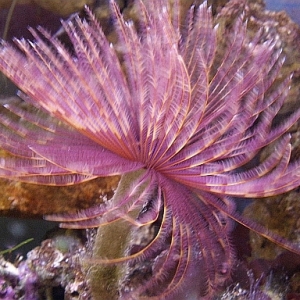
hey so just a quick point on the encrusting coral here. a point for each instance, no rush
(162, 107)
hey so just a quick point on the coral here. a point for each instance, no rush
(182, 119)
(56, 263)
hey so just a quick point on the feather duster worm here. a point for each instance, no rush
(156, 108)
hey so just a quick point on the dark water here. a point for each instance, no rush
(292, 7)
(15, 231)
